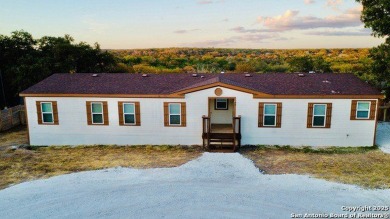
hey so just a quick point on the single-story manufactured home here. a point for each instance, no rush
(213, 110)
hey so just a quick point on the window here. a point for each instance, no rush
(221, 104)
(363, 109)
(97, 113)
(129, 113)
(47, 112)
(319, 115)
(270, 115)
(175, 114)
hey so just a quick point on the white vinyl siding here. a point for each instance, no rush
(74, 128)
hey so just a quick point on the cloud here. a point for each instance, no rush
(183, 31)
(291, 21)
(362, 32)
(308, 2)
(334, 4)
(254, 38)
(207, 2)
(241, 29)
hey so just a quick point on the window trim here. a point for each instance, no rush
(102, 113)
(169, 114)
(219, 100)
(368, 110)
(54, 112)
(326, 110)
(260, 117)
(51, 113)
(275, 114)
(124, 114)
(328, 115)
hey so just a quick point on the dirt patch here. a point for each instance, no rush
(14, 136)
(366, 167)
(41, 162)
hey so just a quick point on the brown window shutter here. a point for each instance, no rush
(39, 112)
(105, 113)
(372, 110)
(137, 114)
(279, 115)
(261, 115)
(183, 115)
(166, 114)
(310, 115)
(120, 113)
(55, 112)
(328, 115)
(353, 110)
(89, 112)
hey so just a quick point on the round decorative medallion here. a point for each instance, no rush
(218, 91)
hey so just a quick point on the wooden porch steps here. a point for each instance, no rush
(221, 137)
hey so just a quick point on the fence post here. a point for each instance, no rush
(1, 121)
(10, 112)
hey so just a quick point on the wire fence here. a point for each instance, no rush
(12, 117)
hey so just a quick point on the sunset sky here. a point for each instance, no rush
(126, 24)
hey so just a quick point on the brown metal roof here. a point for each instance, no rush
(164, 84)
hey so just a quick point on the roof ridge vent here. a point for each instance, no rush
(95, 75)
(145, 75)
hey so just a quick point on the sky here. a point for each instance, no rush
(133, 24)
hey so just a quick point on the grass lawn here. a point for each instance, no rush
(41, 162)
(366, 166)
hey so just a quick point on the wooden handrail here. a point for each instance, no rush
(206, 129)
(236, 129)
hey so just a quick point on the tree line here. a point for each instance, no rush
(24, 61)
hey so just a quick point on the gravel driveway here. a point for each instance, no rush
(383, 136)
(212, 186)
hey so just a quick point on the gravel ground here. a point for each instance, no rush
(216, 185)
(383, 136)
